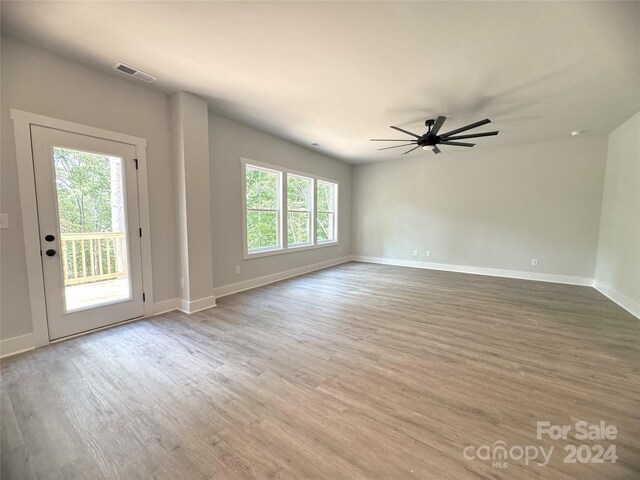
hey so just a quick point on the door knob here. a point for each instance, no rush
(51, 252)
(49, 238)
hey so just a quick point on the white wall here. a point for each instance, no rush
(488, 208)
(228, 141)
(618, 265)
(40, 82)
(189, 121)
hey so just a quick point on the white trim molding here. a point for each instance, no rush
(623, 301)
(30, 228)
(185, 306)
(16, 345)
(492, 272)
(164, 306)
(22, 122)
(276, 277)
(194, 306)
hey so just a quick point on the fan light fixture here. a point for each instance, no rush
(431, 139)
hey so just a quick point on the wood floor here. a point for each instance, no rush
(355, 372)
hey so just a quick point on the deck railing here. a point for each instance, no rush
(93, 257)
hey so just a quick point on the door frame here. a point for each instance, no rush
(22, 122)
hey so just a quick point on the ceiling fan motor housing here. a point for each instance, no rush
(425, 140)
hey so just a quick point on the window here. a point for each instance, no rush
(299, 195)
(327, 195)
(287, 211)
(263, 208)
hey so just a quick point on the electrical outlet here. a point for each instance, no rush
(182, 282)
(238, 270)
(534, 262)
(415, 253)
(339, 249)
(428, 254)
(4, 220)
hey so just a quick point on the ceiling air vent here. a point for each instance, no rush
(132, 72)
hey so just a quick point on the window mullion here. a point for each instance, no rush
(265, 210)
(284, 211)
(314, 225)
(335, 213)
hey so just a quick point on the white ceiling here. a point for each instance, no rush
(340, 73)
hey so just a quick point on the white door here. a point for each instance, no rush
(87, 194)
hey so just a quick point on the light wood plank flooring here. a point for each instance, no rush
(355, 372)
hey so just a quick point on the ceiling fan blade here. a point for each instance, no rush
(437, 126)
(404, 131)
(436, 149)
(397, 146)
(388, 140)
(409, 151)
(473, 135)
(468, 127)
(458, 144)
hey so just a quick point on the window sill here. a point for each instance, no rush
(280, 251)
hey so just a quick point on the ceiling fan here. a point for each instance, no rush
(431, 139)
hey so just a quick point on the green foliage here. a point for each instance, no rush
(298, 198)
(262, 194)
(84, 191)
(298, 193)
(262, 229)
(325, 226)
(326, 197)
(262, 190)
(83, 184)
(298, 227)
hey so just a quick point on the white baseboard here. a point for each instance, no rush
(276, 277)
(15, 345)
(164, 306)
(185, 306)
(625, 302)
(194, 306)
(493, 272)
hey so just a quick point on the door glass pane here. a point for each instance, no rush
(93, 243)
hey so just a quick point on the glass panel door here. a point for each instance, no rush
(87, 194)
(93, 228)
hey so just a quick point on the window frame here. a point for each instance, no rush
(334, 213)
(283, 231)
(311, 211)
(278, 209)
